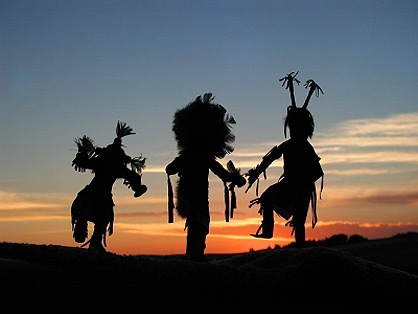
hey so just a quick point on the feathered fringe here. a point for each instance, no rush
(138, 164)
(85, 145)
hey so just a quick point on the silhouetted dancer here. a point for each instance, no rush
(94, 203)
(202, 130)
(295, 189)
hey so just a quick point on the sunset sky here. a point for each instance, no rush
(74, 68)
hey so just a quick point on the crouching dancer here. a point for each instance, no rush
(95, 203)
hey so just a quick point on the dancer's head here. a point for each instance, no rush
(204, 127)
(300, 123)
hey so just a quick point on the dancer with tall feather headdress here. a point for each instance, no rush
(95, 203)
(202, 130)
(295, 190)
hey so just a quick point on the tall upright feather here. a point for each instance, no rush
(122, 129)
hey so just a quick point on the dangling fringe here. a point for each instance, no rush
(322, 187)
(230, 201)
(170, 196)
(314, 199)
(226, 198)
(233, 200)
(313, 204)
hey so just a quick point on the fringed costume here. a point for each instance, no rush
(202, 130)
(95, 203)
(295, 190)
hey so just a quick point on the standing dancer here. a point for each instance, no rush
(202, 130)
(295, 189)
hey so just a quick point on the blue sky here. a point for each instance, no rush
(70, 68)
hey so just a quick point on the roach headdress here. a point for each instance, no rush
(205, 127)
(299, 119)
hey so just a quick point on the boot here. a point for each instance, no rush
(267, 225)
(266, 229)
(80, 231)
(97, 238)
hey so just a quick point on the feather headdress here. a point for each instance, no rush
(122, 129)
(205, 127)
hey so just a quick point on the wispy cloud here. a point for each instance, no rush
(25, 201)
(374, 197)
(393, 126)
(393, 139)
